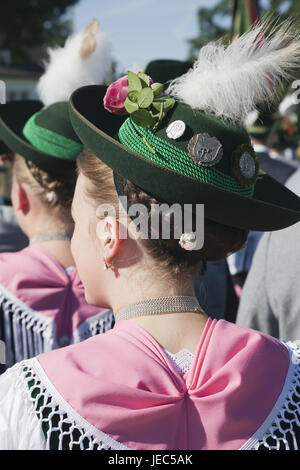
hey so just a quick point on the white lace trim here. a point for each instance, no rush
(182, 360)
(99, 323)
(62, 418)
(25, 332)
(285, 414)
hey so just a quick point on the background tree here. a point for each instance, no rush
(30, 24)
(216, 22)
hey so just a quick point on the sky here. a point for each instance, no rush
(143, 30)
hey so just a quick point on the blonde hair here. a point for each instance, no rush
(220, 240)
(55, 195)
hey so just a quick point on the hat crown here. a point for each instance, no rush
(55, 118)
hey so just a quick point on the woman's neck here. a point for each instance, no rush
(60, 250)
(174, 331)
(54, 237)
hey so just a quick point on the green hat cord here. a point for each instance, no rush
(166, 154)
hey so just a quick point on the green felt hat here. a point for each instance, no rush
(164, 70)
(211, 163)
(43, 136)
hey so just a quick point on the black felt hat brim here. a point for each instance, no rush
(272, 206)
(13, 117)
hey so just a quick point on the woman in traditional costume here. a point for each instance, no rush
(167, 376)
(42, 302)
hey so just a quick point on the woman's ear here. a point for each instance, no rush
(21, 200)
(110, 238)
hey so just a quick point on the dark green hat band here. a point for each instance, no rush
(50, 142)
(145, 143)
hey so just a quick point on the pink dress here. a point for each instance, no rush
(42, 305)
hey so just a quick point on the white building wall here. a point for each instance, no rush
(20, 89)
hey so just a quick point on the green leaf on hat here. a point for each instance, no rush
(146, 104)
(145, 97)
(134, 83)
(157, 104)
(132, 95)
(154, 114)
(161, 112)
(130, 106)
(142, 118)
(157, 88)
(144, 78)
(169, 103)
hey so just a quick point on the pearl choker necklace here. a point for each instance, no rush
(159, 306)
(51, 236)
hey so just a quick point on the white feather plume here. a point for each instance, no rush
(289, 101)
(84, 60)
(231, 81)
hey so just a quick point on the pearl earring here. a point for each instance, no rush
(106, 265)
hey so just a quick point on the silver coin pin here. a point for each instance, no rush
(205, 150)
(247, 165)
(175, 130)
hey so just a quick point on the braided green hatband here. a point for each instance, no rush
(50, 142)
(144, 142)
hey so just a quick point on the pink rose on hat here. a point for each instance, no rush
(116, 95)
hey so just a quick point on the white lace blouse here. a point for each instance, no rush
(20, 428)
